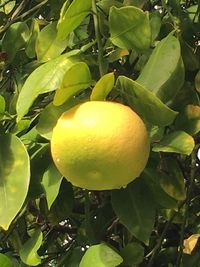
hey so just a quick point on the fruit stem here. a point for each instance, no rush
(98, 37)
(87, 215)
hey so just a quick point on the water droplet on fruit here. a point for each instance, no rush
(58, 160)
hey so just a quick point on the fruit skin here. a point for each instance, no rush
(100, 145)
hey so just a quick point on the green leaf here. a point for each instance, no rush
(189, 120)
(14, 177)
(49, 116)
(45, 78)
(177, 142)
(171, 179)
(150, 177)
(76, 79)
(63, 204)
(135, 209)
(2, 104)
(103, 87)
(5, 261)
(197, 81)
(71, 18)
(163, 74)
(145, 103)
(51, 182)
(19, 34)
(133, 254)
(155, 22)
(28, 252)
(130, 28)
(100, 255)
(30, 49)
(47, 44)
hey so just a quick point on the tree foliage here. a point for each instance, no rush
(55, 54)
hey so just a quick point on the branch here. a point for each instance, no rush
(21, 17)
(157, 248)
(187, 204)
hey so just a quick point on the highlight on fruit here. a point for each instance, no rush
(100, 145)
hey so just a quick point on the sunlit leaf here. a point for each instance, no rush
(163, 74)
(155, 22)
(30, 49)
(76, 79)
(177, 142)
(190, 243)
(145, 103)
(133, 31)
(72, 17)
(45, 78)
(28, 252)
(2, 104)
(14, 177)
(100, 255)
(135, 209)
(51, 182)
(47, 45)
(103, 87)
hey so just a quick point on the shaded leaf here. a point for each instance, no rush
(63, 204)
(177, 142)
(155, 22)
(145, 103)
(103, 87)
(100, 255)
(47, 44)
(76, 79)
(49, 116)
(189, 120)
(19, 34)
(151, 179)
(51, 182)
(28, 252)
(14, 177)
(5, 261)
(133, 31)
(197, 81)
(135, 209)
(171, 179)
(45, 78)
(72, 16)
(133, 254)
(163, 74)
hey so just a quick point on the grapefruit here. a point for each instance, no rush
(100, 145)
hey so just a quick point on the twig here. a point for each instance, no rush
(98, 37)
(21, 17)
(87, 214)
(187, 204)
(157, 248)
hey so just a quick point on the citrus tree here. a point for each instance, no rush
(57, 54)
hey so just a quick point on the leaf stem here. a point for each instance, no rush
(98, 38)
(187, 204)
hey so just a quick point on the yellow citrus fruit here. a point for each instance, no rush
(100, 145)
